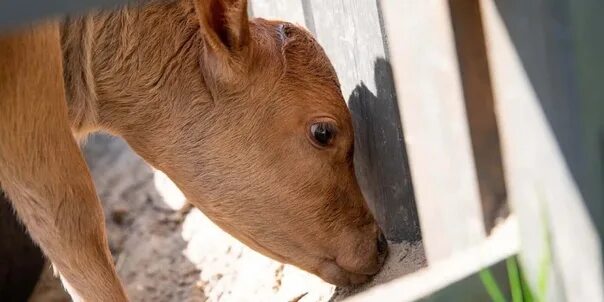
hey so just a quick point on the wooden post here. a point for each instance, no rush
(535, 97)
(436, 128)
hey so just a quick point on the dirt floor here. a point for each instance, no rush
(165, 251)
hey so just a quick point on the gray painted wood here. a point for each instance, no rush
(535, 88)
(351, 34)
(436, 128)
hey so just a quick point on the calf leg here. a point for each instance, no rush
(42, 170)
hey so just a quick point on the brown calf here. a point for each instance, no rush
(246, 117)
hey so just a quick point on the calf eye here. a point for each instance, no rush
(322, 133)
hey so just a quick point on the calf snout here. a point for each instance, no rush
(372, 261)
(360, 256)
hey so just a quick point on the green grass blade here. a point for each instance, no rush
(526, 289)
(491, 286)
(546, 258)
(542, 279)
(514, 278)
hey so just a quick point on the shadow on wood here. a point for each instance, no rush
(380, 156)
(478, 94)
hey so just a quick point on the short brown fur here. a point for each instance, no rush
(221, 104)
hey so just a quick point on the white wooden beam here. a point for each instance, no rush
(502, 243)
(434, 121)
(541, 190)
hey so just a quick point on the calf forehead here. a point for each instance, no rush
(306, 59)
(306, 84)
(319, 98)
(291, 56)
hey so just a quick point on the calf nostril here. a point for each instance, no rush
(382, 244)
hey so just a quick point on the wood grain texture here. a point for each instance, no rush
(436, 128)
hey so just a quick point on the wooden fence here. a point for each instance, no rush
(460, 108)
(498, 103)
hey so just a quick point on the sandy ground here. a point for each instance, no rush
(165, 251)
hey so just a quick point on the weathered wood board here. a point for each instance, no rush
(503, 243)
(436, 128)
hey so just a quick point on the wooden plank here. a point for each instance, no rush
(291, 11)
(436, 129)
(503, 243)
(352, 36)
(472, 288)
(478, 92)
(536, 108)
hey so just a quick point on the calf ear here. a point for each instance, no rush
(224, 25)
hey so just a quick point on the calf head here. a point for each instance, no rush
(268, 152)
